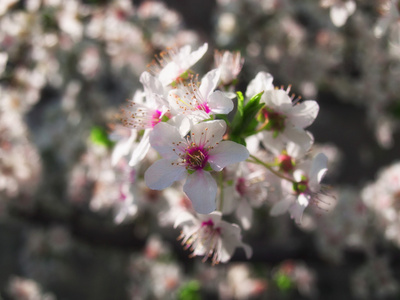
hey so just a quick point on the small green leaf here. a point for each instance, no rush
(237, 120)
(99, 136)
(283, 282)
(190, 291)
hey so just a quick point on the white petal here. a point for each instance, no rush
(196, 55)
(209, 83)
(300, 137)
(318, 170)
(141, 149)
(184, 217)
(151, 84)
(262, 82)
(274, 144)
(339, 14)
(231, 239)
(281, 207)
(169, 73)
(304, 114)
(208, 133)
(227, 153)
(230, 202)
(163, 173)
(278, 100)
(182, 122)
(296, 210)
(244, 213)
(122, 148)
(201, 189)
(219, 103)
(162, 138)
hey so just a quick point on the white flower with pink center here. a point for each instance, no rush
(192, 156)
(144, 112)
(173, 63)
(246, 191)
(199, 101)
(209, 236)
(305, 189)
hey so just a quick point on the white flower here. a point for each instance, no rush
(247, 190)
(209, 236)
(176, 62)
(261, 83)
(340, 10)
(230, 64)
(285, 122)
(144, 114)
(304, 190)
(191, 157)
(199, 101)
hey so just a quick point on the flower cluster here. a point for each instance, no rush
(228, 160)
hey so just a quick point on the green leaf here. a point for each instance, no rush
(99, 136)
(237, 120)
(283, 282)
(190, 291)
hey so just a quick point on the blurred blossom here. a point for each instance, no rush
(230, 64)
(290, 274)
(374, 279)
(26, 289)
(382, 198)
(240, 284)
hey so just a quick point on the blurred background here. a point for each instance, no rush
(66, 67)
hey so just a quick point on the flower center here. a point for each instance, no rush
(196, 158)
(241, 186)
(286, 163)
(274, 121)
(155, 118)
(204, 106)
(301, 186)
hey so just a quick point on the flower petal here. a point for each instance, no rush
(162, 138)
(209, 83)
(151, 84)
(281, 207)
(262, 82)
(184, 217)
(227, 153)
(303, 139)
(318, 170)
(201, 189)
(278, 100)
(219, 103)
(208, 133)
(163, 173)
(304, 114)
(297, 208)
(141, 149)
(245, 214)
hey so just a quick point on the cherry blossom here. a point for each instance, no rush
(305, 188)
(210, 236)
(192, 157)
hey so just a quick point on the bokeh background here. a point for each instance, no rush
(66, 67)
